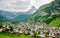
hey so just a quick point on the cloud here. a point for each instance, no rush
(21, 5)
(39, 3)
(15, 5)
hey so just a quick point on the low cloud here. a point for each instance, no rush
(15, 5)
(21, 5)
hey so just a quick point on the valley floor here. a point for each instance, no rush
(8, 35)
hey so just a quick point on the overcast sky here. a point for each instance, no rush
(21, 5)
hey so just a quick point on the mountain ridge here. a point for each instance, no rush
(20, 16)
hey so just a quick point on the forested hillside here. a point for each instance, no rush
(49, 14)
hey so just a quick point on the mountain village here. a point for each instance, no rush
(35, 30)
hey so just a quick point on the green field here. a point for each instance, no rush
(8, 35)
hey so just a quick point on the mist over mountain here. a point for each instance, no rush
(31, 11)
(20, 16)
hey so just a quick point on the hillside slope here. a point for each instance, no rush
(48, 14)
